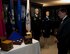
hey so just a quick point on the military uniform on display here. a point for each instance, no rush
(36, 26)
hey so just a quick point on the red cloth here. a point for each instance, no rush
(2, 24)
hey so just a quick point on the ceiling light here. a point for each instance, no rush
(64, 1)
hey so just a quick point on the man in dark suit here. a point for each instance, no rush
(63, 34)
(46, 28)
(46, 25)
(36, 24)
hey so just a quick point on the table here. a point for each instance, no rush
(24, 49)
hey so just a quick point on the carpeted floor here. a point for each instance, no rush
(51, 46)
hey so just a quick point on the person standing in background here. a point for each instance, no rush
(46, 27)
(63, 34)
(36, 24)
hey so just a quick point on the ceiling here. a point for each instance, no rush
(51, 2)
(42, 1)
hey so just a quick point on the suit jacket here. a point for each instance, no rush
(46, 23)
(63, 34)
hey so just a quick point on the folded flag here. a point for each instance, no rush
(16, 38)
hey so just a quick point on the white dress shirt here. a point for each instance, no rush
(63, 19)
(47, 17)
